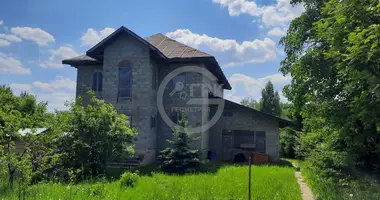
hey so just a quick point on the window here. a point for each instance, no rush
(260, 141)
(154, 78)
(249, 137)
(179, 78)
(243, 137)
(97, 81)
(125, 79)
(228, 113)
(152, 122)
(176, 117)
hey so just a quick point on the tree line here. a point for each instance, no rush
(333, 55)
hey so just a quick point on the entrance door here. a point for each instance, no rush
(227, 147)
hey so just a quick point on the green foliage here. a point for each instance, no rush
(324, 187)
(270, 100)
(96, 191)
(287, 111)
(19, 112)
(334, 59)
(180, 157)
(73, 175)
(249, 102)
(95, 135)
(129, 179)
(288, 142)
(229, 182)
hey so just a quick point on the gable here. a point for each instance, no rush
(98, 50)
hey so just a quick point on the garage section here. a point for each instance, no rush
(242, 132)
(238, 143)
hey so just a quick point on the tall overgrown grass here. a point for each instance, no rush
(362, 187)
(229, 182)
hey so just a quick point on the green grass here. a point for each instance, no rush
(229, 182)
(362, 188)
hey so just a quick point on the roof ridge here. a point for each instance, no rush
(187, 46)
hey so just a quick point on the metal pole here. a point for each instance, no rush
(249, 179)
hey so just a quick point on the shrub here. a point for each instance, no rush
(96, 134)
(96, 190)
(288, 140)
(129, 179)
(179, 157)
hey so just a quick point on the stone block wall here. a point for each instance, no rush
(195, 118)
(141, 106)
(246, 120)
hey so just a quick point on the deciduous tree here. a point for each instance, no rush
(332, 52)
(270, 100)
(95, 134)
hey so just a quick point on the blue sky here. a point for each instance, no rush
(243, 35)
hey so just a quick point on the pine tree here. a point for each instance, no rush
(180, 157)
(270, 100)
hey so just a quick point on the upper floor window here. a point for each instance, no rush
(179, 78)
(125, 79)
(97, 81)
(154, 78)
(176, 84)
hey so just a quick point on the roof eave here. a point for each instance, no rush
(282, 122)
(226, 84)
(74, 63)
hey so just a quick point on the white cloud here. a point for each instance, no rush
(55, 60)
(1, 22)
(55, 92)
(51, 64)
(37, 35)
(4, 43)
(229, 52)
(238, 7)
(19, 87)
(11, 38)
(253, 86)
(92, 37)
(60, 83)
(271, 15)
(63, 52)
(10, 65)
(277, 31)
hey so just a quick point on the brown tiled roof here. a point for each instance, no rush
(162, 46)
(174, 49)
(170, 48)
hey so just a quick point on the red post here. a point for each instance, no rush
(249, 179)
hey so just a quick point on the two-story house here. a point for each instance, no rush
(127, 71)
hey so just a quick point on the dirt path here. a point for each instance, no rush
(305, 190)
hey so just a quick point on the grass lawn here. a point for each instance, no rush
(361, 188)
(229, 182)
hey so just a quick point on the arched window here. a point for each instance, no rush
(97, 81)
(125, 79)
